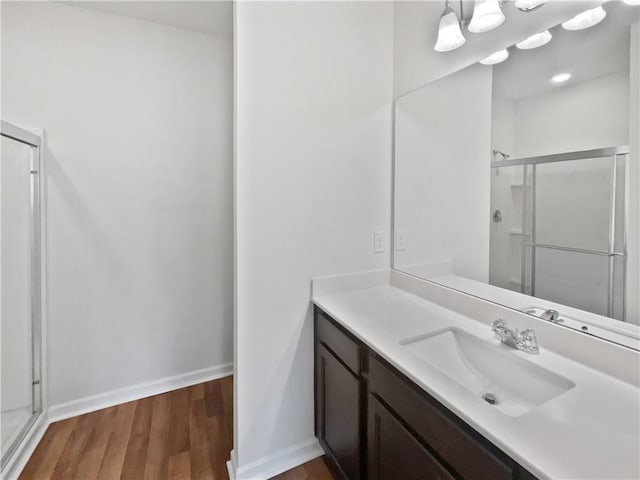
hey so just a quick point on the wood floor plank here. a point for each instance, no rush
(296, 473)
(226, 388)
(68, 462)
(179, 428)
(213, 399)
(317, 469)
(180, 466)
(219, 447)
(157, 461)
(113, 460)
(136, 456)
(89, 463)
(196, 391)
(201, 466)
(179, 435)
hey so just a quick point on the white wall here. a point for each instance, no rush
(139, 198)
(587, 115)
(313, 130)
(443, 142)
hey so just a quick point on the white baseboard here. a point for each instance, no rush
(273, 465)
(136, 392)
(14, 468)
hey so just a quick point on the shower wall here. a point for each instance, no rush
(139, 191)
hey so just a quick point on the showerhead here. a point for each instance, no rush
(505, 156)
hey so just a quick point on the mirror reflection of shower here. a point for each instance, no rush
(564, 227)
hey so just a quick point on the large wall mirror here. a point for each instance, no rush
(518, 182)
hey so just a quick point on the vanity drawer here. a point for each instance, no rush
(338, 341)
(463, 449)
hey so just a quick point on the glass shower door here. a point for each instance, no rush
(19, 287)
(577, 224)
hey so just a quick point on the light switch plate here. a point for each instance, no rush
(401, 240)
(378, 241)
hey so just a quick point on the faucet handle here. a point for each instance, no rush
(498, 325)
(528, 341)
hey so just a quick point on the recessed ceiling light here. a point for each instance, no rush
(535, 41)
(561, 77)
(585, 19)
(499, 56)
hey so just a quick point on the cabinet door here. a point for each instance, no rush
(338, 413)
(394, 453)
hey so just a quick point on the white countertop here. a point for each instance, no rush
(589, 432)
(616, 331)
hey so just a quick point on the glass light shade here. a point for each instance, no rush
(526, 5)
(487, 15)
(499, 56)
(535, 41)
(585, 19)
(449, 34)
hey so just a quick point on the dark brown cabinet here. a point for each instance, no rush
(338, 413)
(376, 424)
(394, 452)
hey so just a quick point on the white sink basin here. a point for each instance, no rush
(489, 371)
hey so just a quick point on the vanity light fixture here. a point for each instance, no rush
(535, 41)
(561, 77)
(487, 15)
(449, 32)
(585, 19)
(499, 56)
(529, 5)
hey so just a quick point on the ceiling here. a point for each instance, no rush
(587, 54)
(213, 17)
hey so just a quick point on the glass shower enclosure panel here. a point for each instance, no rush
(19, 290)
(576, 233)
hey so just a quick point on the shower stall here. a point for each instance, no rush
(559, 228)
(20, 287)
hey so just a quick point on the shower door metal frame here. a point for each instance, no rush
(35, 142)
(614, 153)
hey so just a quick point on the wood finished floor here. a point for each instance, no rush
(179, 435)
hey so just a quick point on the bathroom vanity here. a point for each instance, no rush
(408, 389)
(374, 422)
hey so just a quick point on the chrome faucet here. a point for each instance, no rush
(552, 316)
(524, 340)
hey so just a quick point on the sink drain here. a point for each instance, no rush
(490, 398)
